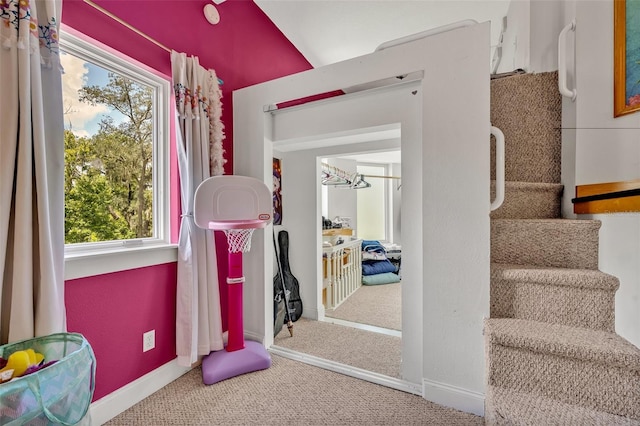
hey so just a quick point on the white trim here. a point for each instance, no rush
(347, 370)
(248, 335)
(427, 33)
(453, 396)
(360, 326)
(99, 262)
(313, 313)
(110, 406)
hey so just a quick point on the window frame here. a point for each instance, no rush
(95, 258)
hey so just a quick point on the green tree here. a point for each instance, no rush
(89, 215)
(124, 152)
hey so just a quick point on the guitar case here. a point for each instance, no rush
(291, 284)
(279, 311)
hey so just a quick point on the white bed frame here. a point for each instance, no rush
(343, 272)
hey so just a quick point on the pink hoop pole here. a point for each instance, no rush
(235, 278)
(234, 302)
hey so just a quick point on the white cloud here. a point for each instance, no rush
(77, 114)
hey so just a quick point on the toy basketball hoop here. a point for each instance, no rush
(238, 233)
(237, 205)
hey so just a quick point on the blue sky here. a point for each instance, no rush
(82, 118)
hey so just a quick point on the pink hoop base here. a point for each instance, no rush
(222, 365)
(238, 224)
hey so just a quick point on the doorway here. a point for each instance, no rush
(301, 150)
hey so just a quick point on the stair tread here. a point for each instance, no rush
(522, 408)
(533, 186)
(591, 223)
(566, 277)
(574, 342)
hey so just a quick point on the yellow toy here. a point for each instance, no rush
(19, 362)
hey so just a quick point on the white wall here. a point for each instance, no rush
(598, 148)
(443, 157)
(515, 43)
(607, 150)
(531, 36)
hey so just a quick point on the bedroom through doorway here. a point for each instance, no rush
(361, 238)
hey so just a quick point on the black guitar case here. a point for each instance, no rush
(290, 282)
(279, 311)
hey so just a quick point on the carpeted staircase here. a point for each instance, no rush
(552, 354)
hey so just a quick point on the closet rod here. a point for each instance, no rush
(131, 27)
(384, 177)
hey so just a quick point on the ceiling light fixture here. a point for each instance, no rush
(211, 13)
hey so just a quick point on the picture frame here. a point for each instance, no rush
(626, 50)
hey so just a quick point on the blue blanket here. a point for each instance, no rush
(372, 267)
(372, 245)
(386, 278)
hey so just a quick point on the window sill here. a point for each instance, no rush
(100, 262)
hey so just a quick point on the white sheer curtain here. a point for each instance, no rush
(31, 171)
(200, 155)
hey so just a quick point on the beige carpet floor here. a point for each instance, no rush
(378, 305)
(289, 392)
(370, 351)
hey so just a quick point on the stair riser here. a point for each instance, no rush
(593, 385)
(577, 307)
(532, 141)
(522, 204)
(542, 244)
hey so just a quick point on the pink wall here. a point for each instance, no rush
(113, 310)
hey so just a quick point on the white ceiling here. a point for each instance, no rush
(376, 157)
(330, 31)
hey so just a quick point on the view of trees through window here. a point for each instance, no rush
(108, 154)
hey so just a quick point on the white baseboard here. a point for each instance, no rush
(127, 396)
(454, 397)
(358, 373)
(249, 335)
(313, 313)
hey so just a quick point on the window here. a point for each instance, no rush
(116, 151)
(372, 204)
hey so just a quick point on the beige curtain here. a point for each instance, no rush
(200, 155)
(31, 171)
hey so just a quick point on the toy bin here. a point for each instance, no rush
(59, 394)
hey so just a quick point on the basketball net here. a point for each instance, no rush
(239, 240)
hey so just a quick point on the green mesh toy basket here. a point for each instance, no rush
(58, 394)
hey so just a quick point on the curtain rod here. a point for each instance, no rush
(131, 27)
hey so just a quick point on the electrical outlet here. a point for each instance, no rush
(148, 340)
